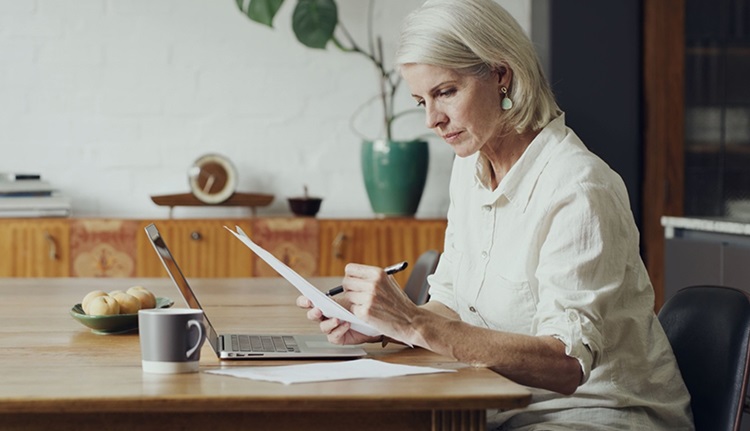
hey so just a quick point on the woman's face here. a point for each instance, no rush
(462, 109)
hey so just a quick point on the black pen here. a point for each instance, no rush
(388, 270)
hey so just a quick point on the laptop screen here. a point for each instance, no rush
(179, 280)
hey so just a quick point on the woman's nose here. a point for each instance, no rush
(434, 117)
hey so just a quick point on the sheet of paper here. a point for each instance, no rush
(327, 305)
(326, 371)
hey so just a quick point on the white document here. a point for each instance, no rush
(327, 371)
(327, 305)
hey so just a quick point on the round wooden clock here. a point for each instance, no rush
(212, 178)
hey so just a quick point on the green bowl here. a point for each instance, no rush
(114, 324)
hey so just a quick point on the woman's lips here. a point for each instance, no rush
(451, 137)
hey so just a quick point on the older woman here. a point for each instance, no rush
(541, 278)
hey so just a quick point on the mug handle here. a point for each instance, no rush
(198, 325)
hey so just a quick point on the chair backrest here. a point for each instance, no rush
(709, 330)
(417, 288)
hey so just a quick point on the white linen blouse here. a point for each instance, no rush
(554, 251)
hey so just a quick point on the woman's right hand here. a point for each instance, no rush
(337, 331)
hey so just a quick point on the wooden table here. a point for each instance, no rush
(56, 374)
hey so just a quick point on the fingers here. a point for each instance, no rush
(303, 302)
(365, 278)
(339, 333)
(356, 270)
(335, 330)
(329, 325)
(315, 314)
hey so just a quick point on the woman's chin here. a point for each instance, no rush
(463, 151)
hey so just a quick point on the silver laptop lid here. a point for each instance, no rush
(179, 280)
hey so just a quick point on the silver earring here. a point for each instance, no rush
(506, 103)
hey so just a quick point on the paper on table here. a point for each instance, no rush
(328, 306)
(326, 371)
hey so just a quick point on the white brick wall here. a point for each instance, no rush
(113, 100)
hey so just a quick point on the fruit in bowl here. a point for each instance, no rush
(129, 304)
(146, 298)
(103, 306)
(90, 297)
(117, 311)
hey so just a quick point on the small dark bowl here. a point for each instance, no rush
(307, 207)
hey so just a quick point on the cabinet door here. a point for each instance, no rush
(202, 249)
(103, 248)
(34, 248)
(293, 240)
(377, 242)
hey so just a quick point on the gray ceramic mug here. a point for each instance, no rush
(171, 339)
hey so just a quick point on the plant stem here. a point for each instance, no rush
(388, 86)
(384, 94)
(370, 31)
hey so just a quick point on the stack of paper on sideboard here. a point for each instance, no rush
(27, 195)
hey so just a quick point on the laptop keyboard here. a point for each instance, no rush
(264, 343)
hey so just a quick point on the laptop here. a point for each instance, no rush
(249, 346)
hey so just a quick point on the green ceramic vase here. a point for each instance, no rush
(395, 173)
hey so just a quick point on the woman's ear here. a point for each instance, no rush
(504, 75)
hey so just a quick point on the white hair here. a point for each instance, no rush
(478, 37)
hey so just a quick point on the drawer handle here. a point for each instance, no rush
(52, 253)
(339, 243)
(196, 236)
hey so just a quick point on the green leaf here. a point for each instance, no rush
(262, 11)
(314, 21)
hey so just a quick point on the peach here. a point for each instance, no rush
(104, 305)
(129, 304)
(147, 299)
(89, 296)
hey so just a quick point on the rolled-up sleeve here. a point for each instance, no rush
(580, 271)
(580, 337)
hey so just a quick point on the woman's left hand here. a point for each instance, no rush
(337, 331)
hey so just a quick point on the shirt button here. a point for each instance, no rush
(484, 255)
(572, 316)
(472, 309)
(487, 208)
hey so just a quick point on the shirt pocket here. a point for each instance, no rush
(506, 305)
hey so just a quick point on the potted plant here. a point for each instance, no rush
(394, 171)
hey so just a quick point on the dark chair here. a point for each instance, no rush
(417, 288)
(709, 330)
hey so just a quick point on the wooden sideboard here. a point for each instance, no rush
(78, 247)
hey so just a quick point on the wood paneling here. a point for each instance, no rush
(202, 248)
(102, 248)
(294, 241)
(377, 242)
(35, 248)
(663, 76)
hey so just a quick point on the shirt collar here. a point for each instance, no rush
(519, 182)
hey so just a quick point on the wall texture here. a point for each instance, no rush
(112, 101)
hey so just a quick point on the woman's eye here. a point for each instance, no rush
(420, 103)
(448, 92)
